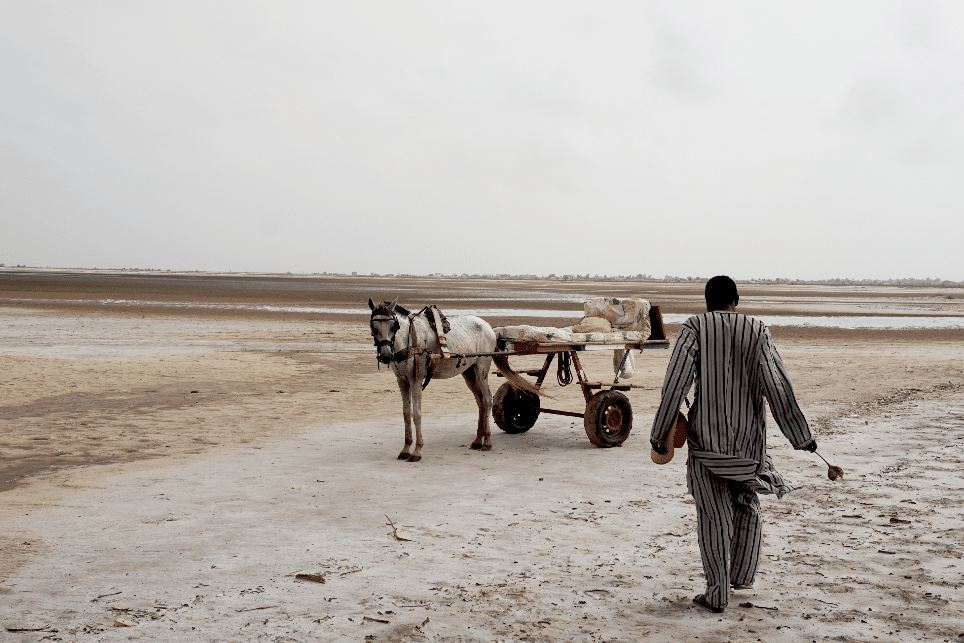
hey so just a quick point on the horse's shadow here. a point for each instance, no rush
(452, 434)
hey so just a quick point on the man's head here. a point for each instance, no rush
(720, 293)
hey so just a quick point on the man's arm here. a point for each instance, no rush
(783, 403)
(679, 378)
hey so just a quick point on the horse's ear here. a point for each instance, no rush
(391, 306)
(371, 304)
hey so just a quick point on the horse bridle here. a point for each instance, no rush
(411, 350)
(391, 338)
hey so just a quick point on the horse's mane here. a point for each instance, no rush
(384, 309)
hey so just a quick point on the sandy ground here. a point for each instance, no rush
(177, 470)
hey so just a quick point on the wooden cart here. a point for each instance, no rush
(608, 418)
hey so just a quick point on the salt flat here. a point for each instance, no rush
(177, 470)
(545, 538)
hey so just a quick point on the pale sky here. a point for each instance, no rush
(756, 139)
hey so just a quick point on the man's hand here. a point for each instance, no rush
(810, 446)
(658, 448)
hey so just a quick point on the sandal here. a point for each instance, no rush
(701, 601)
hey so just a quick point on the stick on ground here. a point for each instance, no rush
(395, 531)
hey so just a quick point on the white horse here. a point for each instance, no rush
(407, 343)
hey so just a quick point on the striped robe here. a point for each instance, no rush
(736, 365)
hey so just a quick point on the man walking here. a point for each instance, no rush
(735, 365)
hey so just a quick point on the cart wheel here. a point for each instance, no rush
(608, 418)
(514, 411)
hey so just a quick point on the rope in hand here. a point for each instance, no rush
(564, 370)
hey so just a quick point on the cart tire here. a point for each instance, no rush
(514, 411)
(608, 419)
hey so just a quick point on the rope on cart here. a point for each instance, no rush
(564, 370)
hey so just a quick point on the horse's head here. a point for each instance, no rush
(384, 325)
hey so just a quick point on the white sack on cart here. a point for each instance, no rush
(592, 325)
(541, 334)
(535, 334)
(630, 313)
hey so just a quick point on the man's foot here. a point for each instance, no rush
(701, 601)
(739, 586)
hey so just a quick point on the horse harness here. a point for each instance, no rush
(439, 324)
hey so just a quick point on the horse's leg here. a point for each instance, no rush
(405, 389)
(416, 387)
(477, 377)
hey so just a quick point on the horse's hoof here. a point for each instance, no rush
(404, 455)
(414, 458)
(486, 447)
(476, 446)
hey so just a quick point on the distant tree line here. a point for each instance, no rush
(645, 278)
(934, 282)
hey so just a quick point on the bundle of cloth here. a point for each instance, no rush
(606, 320)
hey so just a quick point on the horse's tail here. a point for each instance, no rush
(515, 379)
